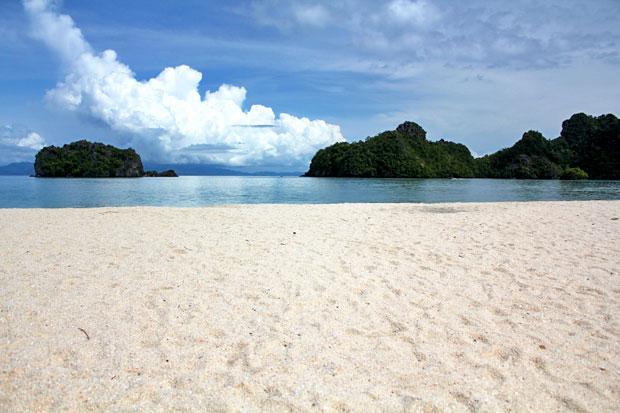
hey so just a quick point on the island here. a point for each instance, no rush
(166, 174)
(588, 147)
(84, 159)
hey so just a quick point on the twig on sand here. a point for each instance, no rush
(84, 331)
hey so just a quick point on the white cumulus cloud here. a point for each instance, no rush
(165, 115)
(17, 143)
(33, 141)
(21, 138)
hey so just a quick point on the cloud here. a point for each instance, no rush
(530, 65)
(314, 15)
(165, 116)
(518, 35)
(419, 12)
(33, 141)
(18, 144)
(286, 16)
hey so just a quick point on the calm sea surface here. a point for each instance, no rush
(187, 191)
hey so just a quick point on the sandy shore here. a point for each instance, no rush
(463, 307)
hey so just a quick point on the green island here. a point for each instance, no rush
(84, 159)
(587, 148)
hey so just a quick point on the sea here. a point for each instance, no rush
(193, 191)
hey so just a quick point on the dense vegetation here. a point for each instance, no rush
(590, 143)
(530, 158)
(88, 160)
(588, 147)
(404, 152)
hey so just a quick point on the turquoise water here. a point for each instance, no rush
(26, 192)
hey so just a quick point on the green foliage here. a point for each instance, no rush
(592, 144)
(404, 152)
(588, 146)
(574, 174)
(88, 160)
(529, 158)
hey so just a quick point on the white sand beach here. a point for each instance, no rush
(362, 307)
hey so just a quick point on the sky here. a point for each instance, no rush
(255, 84)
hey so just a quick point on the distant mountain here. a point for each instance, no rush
(588, 147)
(210, 170)
(27, 168)
(191, 169)
(18, 168)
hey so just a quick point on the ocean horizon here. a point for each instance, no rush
(195, 191)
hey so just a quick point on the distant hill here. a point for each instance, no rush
(27, 168)
(191, 169)
(587, 147)
(18, 168)
(210, 170)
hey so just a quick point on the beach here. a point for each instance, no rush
(361, 307)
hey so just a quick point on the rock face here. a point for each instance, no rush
(84, 159)
(412, 129)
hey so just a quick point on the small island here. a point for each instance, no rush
(587, 148)
(166, 174)
(84, 159)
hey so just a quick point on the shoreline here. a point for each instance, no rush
(312, 307)
(266, 204)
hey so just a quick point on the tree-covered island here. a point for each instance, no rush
(588, 147)
(84, 159)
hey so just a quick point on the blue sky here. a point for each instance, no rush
(298, 75)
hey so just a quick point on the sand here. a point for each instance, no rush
(363, 307)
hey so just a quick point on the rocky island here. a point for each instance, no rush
(588, 147)
(166, 174)
(404, 152)
(84, 159)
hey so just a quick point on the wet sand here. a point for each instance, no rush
(364, 307)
